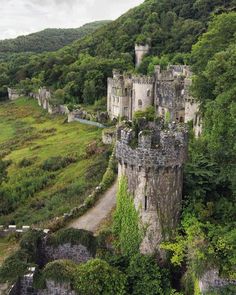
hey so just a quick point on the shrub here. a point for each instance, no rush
(14, 266)
(30, 243)
(146, 277)
(26, 162)
(59, 271)
(97, 277)
(57, 163)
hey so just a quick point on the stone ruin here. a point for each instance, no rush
(152, 160)
(13, 94)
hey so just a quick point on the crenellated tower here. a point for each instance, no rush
(152, 158)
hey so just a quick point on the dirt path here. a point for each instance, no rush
(93, 217)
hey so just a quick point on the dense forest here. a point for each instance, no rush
(81, 69)
(202, 34)
(47, 40)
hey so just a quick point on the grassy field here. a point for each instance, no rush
(52, 165)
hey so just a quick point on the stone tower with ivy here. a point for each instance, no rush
(151, 156)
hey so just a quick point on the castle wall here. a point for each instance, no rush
(163, 190)
(154, 169)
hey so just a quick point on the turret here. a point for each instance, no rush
(140, 51)
(152, 161)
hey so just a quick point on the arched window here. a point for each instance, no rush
(126, 92)
(145, 203)
(140, 103)
(148, 92)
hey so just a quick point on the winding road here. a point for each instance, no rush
(93, 217)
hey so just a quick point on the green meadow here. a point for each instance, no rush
(51, 165)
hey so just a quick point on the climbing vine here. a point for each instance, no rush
(126, 227)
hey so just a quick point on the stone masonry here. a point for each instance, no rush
(167, 91)
(77, 253)
(152, 161)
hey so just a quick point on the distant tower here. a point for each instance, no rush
(140, 51)
(154, 169)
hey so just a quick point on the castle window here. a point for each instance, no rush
(126, 92)
(148, 92)
(181, 120)
(140, 103)
(145, 203)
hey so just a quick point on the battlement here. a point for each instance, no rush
(139, 47)
(143, 80)
(172, 72)
(153, 147)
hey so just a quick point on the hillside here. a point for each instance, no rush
(81, 69)
(51, 166)
(48, 39)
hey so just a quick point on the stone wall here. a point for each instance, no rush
(13, 94)
(153, 165)
(76, 253)
(55, 288)
(109, 136)
(211, 280)
(25, 286)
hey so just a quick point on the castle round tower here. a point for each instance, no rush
(152, 161)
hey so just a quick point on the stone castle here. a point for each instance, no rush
(150, 154)
(167, 91)
(152, 160)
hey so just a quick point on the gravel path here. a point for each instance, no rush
(93, 217)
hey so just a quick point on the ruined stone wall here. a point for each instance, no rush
(76, 253)
(13, 94)
(55, 288)
(154, 169)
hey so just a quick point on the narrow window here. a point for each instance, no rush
(145, 203)
(140, 103)
(148, 93)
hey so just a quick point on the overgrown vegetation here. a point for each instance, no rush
(207, 236)
(126, 222)
(74, 237)
(45, 163)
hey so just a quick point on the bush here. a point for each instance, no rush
(30, 243)
(59, 271)
(57, 163)
(146, 277)
(14, 266)
(97, 277)
(26, 162)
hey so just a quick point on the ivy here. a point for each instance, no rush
(126, 227)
